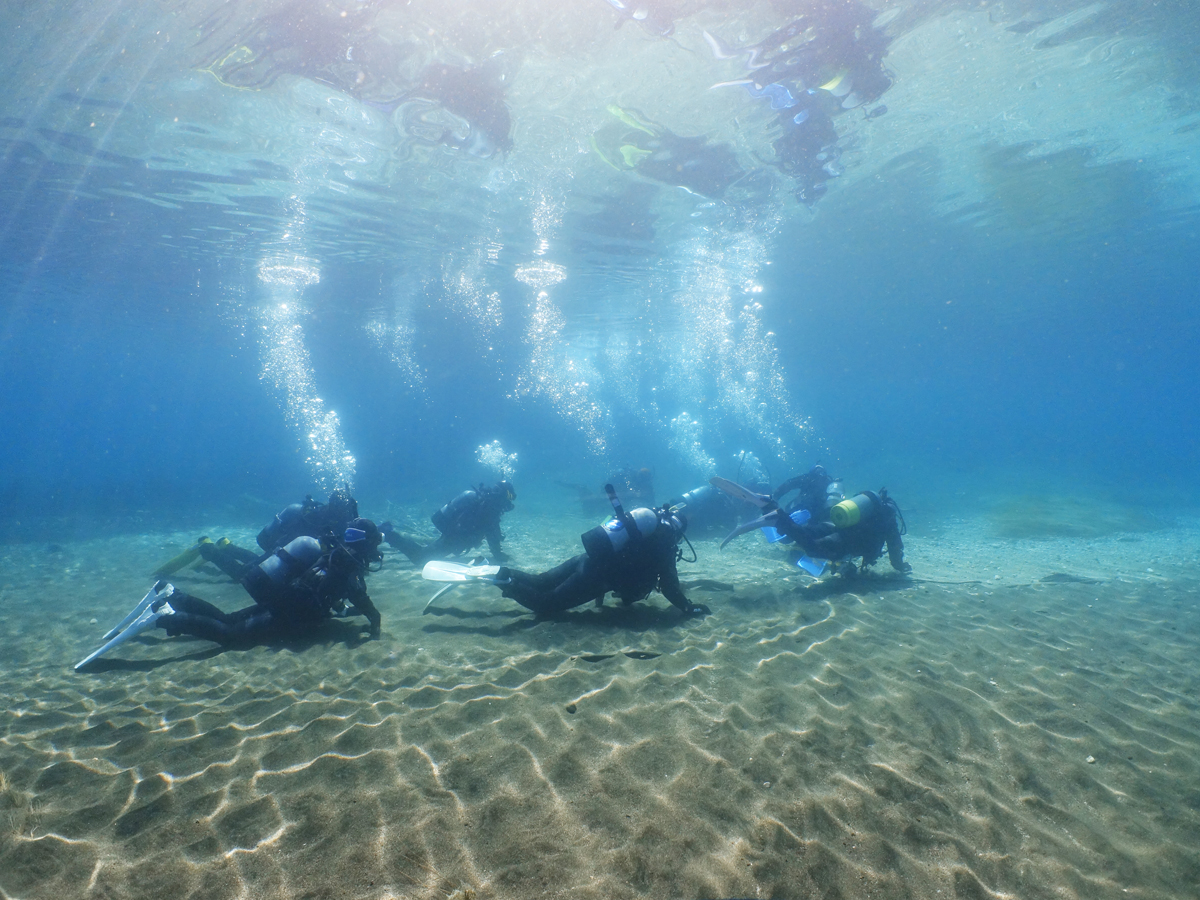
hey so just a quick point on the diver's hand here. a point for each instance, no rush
(697, 609)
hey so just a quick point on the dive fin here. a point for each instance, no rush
(746, 527)
(813, 567)
(147, 620)
(171, 566)
(150, 597)
(438, 594)
(437, 570)
(733, 489)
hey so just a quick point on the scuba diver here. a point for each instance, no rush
(307, 519)
(857, 527)
(816, 490)
(630, 555)
(294, 589)
(464, 522)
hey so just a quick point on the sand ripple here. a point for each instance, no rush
(1015, 739)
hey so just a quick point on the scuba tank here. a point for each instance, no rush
(859, 508)
(288, 562)
(612, 537)
(447, 517)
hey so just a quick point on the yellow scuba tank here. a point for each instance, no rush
(857, 509)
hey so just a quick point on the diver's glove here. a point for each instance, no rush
(697, 609)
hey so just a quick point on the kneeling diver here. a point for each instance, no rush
(858, 527)
(293, 589)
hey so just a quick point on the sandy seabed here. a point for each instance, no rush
(1033, 732)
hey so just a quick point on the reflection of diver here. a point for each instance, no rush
(635, 484)
(461, 106)
(294, 589)
(829, 58)
(634, 144)
(474, 95)
(470, 518)
(857, 527)
(631, 555)
(650, 14)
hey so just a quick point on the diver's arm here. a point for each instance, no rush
(362, 602)
(895, 548)
(668, 586)
(792, 484)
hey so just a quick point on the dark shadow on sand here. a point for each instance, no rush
(635, 617)
(348, 634)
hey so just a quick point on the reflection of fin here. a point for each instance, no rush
(832, 83)
(631, 119)
(738, 83)
(600, 153)
(437, 570)
(733, 489)
(633, 155)
(720, 50)
(144, 622)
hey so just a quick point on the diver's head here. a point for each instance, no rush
(503, 494)
(341, 506)
(362, 539)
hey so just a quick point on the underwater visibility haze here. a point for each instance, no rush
(253, 250)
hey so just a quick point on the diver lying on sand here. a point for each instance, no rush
(858, 527)
(307, 519)
(630, 555)
(294, 589)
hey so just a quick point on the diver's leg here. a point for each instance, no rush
(567, 585)
(203, 620)
(230, 559)
(410, 548)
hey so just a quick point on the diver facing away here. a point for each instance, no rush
(465, 522)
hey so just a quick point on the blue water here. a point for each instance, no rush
(256, 249)
(964, 303)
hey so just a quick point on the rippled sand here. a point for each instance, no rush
(1010, 737)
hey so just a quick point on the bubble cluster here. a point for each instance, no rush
(288, 368)
(726, 361)
(557, 375)
(686, 440)
(492, 457)
(541, 274)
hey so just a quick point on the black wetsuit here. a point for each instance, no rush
(813, 486)
(295, 605)
(643, 565)
(307, 519)
(867, 538)
(465, 522)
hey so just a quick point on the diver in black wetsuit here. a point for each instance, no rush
(307, 519)
(293, 589)
(816, 490)
(858, 527)
(631, 556)
(466, 521)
